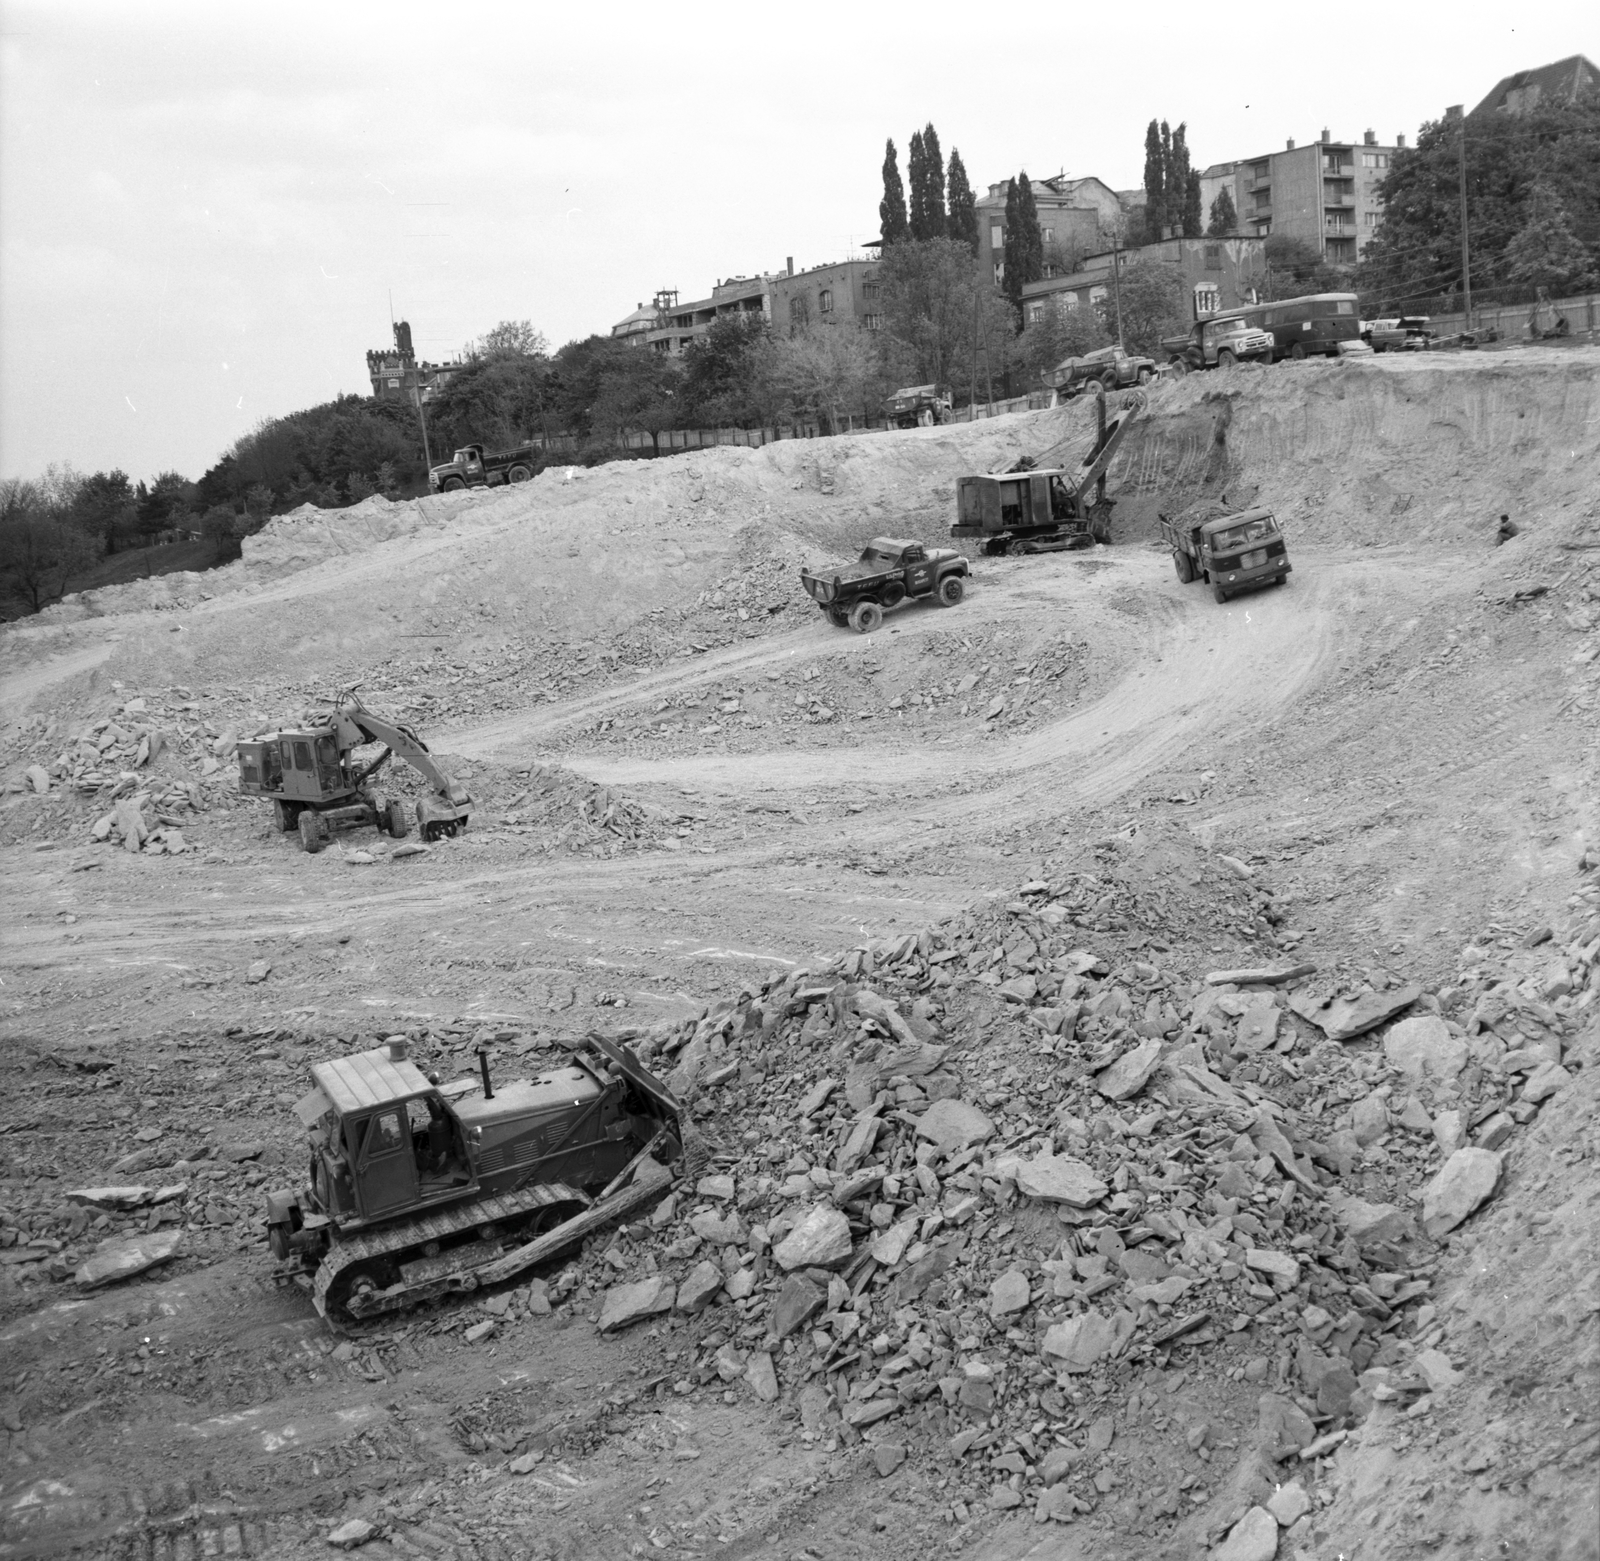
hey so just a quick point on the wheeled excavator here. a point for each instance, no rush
(315, 786)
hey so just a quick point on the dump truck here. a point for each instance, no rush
(1030, 508)
(1231, 552)
(1217, 344)
(314, 785)
(891, 570)
(1105, 370)
(919, 406)
(474, 467)
(417, 1189)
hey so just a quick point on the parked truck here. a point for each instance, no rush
(1108, 369)
(1231, 552)
(891, 570)
(1217, 344)
(1040, 509)
(919, 406)
(474, 467)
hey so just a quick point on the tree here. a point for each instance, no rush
(40, 547)
(508, 339)
(1224, 219)
(722, 370)
(830, 373)
(498, 400)
(1177, 180)
(963, 216)
(1153, 303)
(893, 227)
(640, 393)
(1546, 252)
(933, 212)
(1192, 219)
(943, 323)
(1060, 333)
(1024, 248)
(105, 506)
(164, 504)
(1155, 184)
(1295, 267)
(917, 173)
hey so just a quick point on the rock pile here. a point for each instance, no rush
(979, 1179)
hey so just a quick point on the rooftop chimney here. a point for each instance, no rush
(790, 264)
(1399, 141)
(1370, 138)
(1325, 136)
(1291, 143)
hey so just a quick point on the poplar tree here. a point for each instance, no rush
(1155, 184)
(1024, 251)
(963, 219)
(892, 225)
(917, 172)
(933, 183)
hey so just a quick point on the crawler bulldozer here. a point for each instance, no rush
(416, 1190)
(309, 775)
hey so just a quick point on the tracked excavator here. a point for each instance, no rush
(418, 1190)
(315, 787)
(1036, 507)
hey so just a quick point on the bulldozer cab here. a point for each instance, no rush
(383, 1139)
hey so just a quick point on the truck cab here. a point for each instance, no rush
(1231, 553)
(1212, 344)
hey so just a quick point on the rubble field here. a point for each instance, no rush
(1143, 1053)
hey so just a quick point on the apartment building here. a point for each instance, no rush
(1217, 274)
(1076, 218)
(845, 292)
(1563, 82)
(1325, 193)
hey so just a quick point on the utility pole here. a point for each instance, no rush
(1116, 279)
(1457, 113)
(422, 417)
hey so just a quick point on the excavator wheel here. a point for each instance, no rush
(286, 815)
(313, 831)
(395, 817)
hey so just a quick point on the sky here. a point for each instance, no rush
(205, 210)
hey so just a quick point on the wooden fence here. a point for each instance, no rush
(1511, 320)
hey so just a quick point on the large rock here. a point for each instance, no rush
(1369, 1223)
(1464, 1183)
(1057, 1179)
(1282, 1426)
(762, 1376)
(953, 1125)
(820, 1240)
(1370, 1119)
(1130, 1072)
(114, 1199)
(118, 1260)
(626, 1304)
(1253, 1538)
(798, 1302)
(1009, 1294)
(1080, 1343)
(1423, 1045)
(721, 1230)
(1343, 1019)
(699, 1287)
(890, 1246)
(1544, 1081)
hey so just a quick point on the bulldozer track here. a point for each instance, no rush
(433, 1227)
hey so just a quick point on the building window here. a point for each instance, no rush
(1374, 159)
(997, 236)
(1048, 235)
(394, 384)
(999, 272)
(1066, 303)
(869, 289)
(1207, 298)
(1097, 295)
(1213, 257)
(1035, 313)
(1369, 219)
(873, 322)
(825, 301)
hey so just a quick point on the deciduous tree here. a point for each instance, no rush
(1546, 251)
(508, 339)
(41, 549)
(1153, 304)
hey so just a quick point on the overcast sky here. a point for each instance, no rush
(205, 208)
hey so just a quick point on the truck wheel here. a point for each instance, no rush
(865, 617)
(1225, 359)
(839, 618)
(1219, 592)
(452, 484)
(893, 594)
(1297, 352)
(313, 832)
(395, 817)
(285, 815)
(1179, 367)
(518, 474)
(1144, 376)
(1108, 383)
(951, 589)
(1184, 565)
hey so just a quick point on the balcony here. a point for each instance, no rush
(1333, 200)
(1264, 182)
(1331, 170)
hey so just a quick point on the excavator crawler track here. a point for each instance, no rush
(409, 1236)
